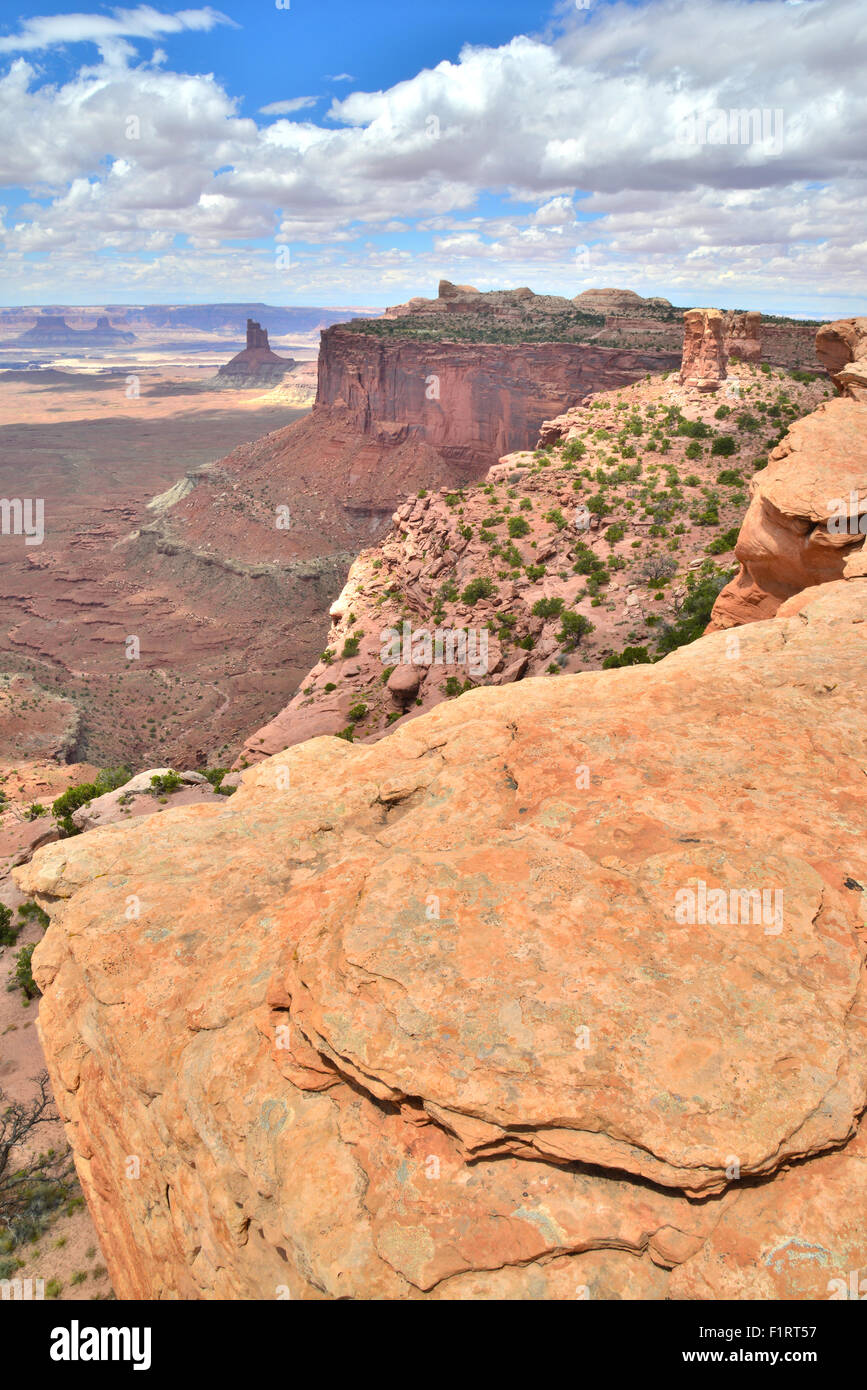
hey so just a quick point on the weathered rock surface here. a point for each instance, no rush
(742, 335)
(842, 348)
(470, 402)
(419, 1019)
(705, 355)
(807, 519)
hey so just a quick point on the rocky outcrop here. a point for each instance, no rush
(523, 1002)
(617, 302)
(256, 365)
(703, 366)
(842, 348)
(502, 306)
(523, 303)
(807, 519)
(140, 797)
(526, 534)
(471, 402)
(742, 336)
(52, 330)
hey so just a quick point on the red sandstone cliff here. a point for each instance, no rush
(471, 402)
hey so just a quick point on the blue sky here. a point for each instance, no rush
(352, 153)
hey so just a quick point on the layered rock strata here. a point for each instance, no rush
(471, 402)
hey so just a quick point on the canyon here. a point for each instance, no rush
(269, 529)
(569, 527)
(417, 1053)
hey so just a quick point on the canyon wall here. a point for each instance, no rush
(471, 402)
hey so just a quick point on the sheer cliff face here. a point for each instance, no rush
(472, 402)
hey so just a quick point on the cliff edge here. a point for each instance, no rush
(558, 992)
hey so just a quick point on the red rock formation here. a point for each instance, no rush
(471, 402)
(842, 348)
(256, 365)
(742, 336)
(807, 520)
(440, 541)
(616, 302)
(437, 1019)
(703, 367)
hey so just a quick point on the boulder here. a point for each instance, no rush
(404, 682)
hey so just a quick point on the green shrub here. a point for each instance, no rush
(478, 588)
(696, 429)
(23, 973)
(31, 911)
(573, 450)
(518, 526)
(615, 533)
(350, 646)
(547, 608)
(724, 444)
(630, 656)
(720, 544)
(357, 713)
(164, 782)
(8, 933)
(575, 626)
(702, 589)
(693, 450)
